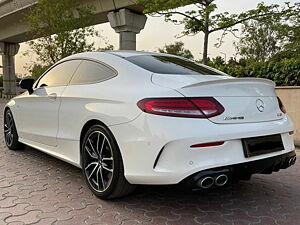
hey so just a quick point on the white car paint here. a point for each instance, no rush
(43, 105)
(53, 124)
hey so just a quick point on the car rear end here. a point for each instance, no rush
(246, 130)
(220, 128)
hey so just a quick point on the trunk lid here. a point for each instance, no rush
(246, 100)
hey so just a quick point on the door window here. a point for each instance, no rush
(59, 75)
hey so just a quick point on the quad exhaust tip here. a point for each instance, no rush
(205, 182)
(208, 181)
(221, 180)
(292, 161)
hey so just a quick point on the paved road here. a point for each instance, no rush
(38, 189)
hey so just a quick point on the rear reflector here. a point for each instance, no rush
(182, 107)
(281, 106)
(207, 144)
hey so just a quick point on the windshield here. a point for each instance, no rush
(171, 65)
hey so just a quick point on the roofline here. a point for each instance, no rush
(137, 53)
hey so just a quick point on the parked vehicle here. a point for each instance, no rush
(128, 118)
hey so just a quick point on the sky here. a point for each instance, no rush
(157, 33)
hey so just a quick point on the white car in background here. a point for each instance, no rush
(128, 118)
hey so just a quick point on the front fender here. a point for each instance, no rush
(14, 108)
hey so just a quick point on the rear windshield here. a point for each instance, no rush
(170, 65)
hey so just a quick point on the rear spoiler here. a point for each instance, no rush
(232, 80)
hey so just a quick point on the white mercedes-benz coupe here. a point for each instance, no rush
(128, 118)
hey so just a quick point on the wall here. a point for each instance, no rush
(290, 96)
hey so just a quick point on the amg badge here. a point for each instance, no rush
(234, 117)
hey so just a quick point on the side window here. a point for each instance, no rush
(91, 72)
(59, 75)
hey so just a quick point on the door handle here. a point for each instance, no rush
(52, 96)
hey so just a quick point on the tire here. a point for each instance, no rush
(102, 164)
(10, 132)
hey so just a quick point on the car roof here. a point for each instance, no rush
(118, 53)
(129, 53)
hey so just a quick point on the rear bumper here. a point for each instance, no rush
(156, 149)
(244, 171)
(264, 166)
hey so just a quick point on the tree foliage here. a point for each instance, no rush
(108, 47)
(284, 73)
(259, 41)
(177, 49)
(218, 61)
(36, 70)
(289, 32)
(61, 29)
(204, 19)
(271, 38)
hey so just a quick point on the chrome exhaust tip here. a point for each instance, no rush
(205, 182)
(290, 162)
(221, 180)
(294, 160)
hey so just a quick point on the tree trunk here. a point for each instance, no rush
(205, 48)
(206, 32)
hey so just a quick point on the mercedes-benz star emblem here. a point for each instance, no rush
(260, 105)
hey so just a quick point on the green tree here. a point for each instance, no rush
(232, 61)
(217, 62)
(203, 18)
(289, 31)
(271, 37)
(61, 29)
(36, 70)
(260, 41)
(177, 49)
(108, 47)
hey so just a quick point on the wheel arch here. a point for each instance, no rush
(11, 105)
(5, 109)
(87, 126)
(121, 187)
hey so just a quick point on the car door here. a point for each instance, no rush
(89, 95)
(40, 110)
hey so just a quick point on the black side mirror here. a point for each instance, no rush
(27, 84)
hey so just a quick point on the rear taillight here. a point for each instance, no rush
(209, 106)
(281, 106)
(204, 107)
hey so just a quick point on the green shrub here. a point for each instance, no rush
(283, 73)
